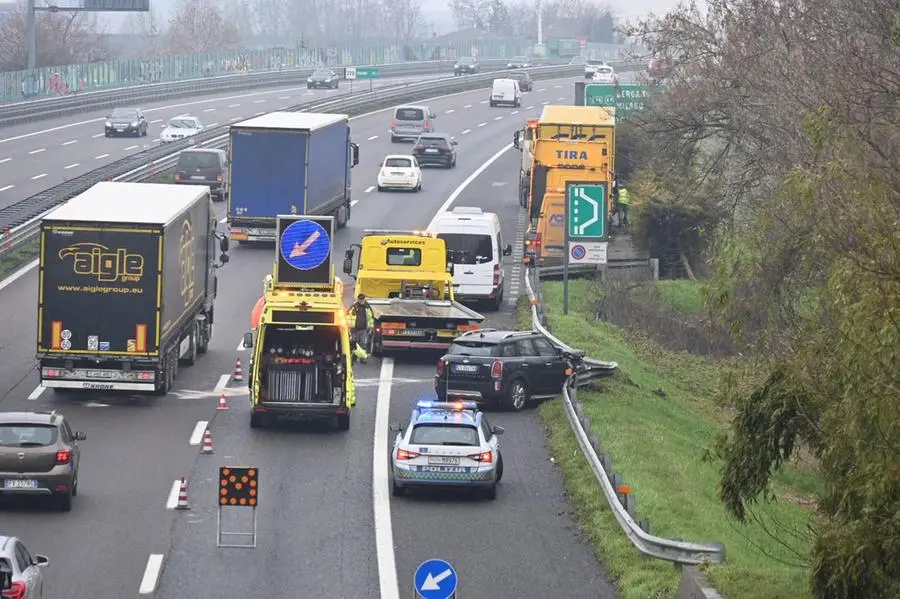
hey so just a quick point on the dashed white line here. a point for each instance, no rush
(381, 499)
(70, 142)
(101, 156)
(514, 112)
(373, 137)
(157, 139)
(283, 97)
(482, 124)
(2, 160)
(240, 346)
(543, 89)
(235, 118)
(557, 87)
(209, 110)
(154, 121)
(41, 176)
(468, 106)
(308, 94)
(151, 574)
(259, 113)
(172, 501)
(199, 429)
(369, 189)
(258, 101)
(6, 187)
(98, 135)
(529, 107)
(544, 103)
(38, 151)
(73, 165)
(211, 125)
(223, 382)
(466, 131)
(354, 203)
(451, 111)
(561, 99)
(497, 118)
(483, 102)
(130, 148)
(36, 393)
(233, 105)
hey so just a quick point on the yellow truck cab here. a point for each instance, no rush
(408, 281)
(301, 365)
(571, 144)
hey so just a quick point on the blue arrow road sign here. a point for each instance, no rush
(435, 579)
(305, 245)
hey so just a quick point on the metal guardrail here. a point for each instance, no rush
(20, 222)
(34, 110)
(683, 553)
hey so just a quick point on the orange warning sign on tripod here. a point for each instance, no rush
(238, 487)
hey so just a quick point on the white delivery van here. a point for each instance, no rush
(506, 91)
(475, 248)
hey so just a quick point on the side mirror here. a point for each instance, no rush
(248, 340)
(517, 139)
(354, 151)
(453, 142)
(224, 243)
(348, 253)
(507, 251)
(433, 116)
(348, 266)
(41, 560)
(498, 430)
(394, 427)
(80, 436)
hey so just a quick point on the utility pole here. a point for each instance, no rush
(540, 23)
(32, 38)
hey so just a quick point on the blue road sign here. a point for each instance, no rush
(305, 245)
(578, 252)
(435, 579)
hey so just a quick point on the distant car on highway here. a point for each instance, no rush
(576, 60)
(438, 149)
(526, 83)
(467, 64)
(506, 368)
(519, 62)
(399, 171)
(323, 78)
(39, 456)
(204, 166)
(180, 127)
(126, 121)
(21, 575)
(411, 121)
(446, 444)
(605, 74)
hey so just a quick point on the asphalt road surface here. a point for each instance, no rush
(37, 156)
(327, 526)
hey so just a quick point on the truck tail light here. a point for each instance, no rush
(496, 274)
(440, 367)
(497, 369)
(178, 176)
(402, 454)
(425, 125)
(393, 123)
(63, 456)
(485, 457)
(16, 591)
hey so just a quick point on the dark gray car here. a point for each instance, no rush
(204, 166)
(411, 121)
(323, 78)
(126, 121)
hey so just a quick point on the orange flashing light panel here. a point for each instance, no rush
(56, 334)
(238, 487)
(140, 336)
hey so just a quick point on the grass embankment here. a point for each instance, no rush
(18, 258)
(657, 417)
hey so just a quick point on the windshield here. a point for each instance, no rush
(441, 434)
(467, 248)
(27, 435)
(472, 348)
(467, 61)
(604, 71)
(432, 142)
(322, 73)
(409, 114)
(121, 113)
(198, 160)
(183, 124)
(398, 162)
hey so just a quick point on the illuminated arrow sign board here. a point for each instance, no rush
(304, 251)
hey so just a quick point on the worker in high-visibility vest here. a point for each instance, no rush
(362, 319)
(623, 202)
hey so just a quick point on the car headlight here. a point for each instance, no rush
(456, 66)
(309, 80)
(108, 124)
(134, 123)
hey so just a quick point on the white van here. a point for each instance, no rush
(506, 91)
(475, 248)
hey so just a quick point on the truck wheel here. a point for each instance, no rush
(191, 357)
(168, 377)
(342, 423)
(205, 336)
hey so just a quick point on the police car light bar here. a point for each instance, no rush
(447, 405)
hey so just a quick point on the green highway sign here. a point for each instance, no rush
(368, 72)
(625, 97)
(587, 206)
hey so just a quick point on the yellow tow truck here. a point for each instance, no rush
(408, 281)
(301, 366)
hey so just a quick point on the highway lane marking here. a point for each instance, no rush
(151, 574)
(497, 118)
(157, 139)
(98, 135)
(2, 160)
(514, 112)
(101, 156)
(36, 393)
(354, 203)
(41, 176)
(557, 87)
(235, 118)
(223, 382)
(483, 102)
(70, 142)
(376, 137)
(210, 110)
(545, 103)
(543, 89)
(199, 429)
(172, 501)
(259, 113)
(19, 273)
(369, 189)
(7, 188)
(130, 148)
(284, 97)
(38, 151)
(381, 499)
(482, 124)
(224, 219)
(467, 106)
(154, 121)
(308, 94)
(466, 131)
(561, 99)
(211, 125)
(258, 101)
(232, 105)
(451, 111)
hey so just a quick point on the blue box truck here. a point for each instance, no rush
(288, 163)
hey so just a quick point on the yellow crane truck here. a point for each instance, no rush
(571, 143)
(408, 280)
(300, 365)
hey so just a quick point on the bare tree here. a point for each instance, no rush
(62, 39)
(199, 26)
(149, 28)
(402, 19)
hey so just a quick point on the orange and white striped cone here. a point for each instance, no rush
(207, 442)
(238, 371)
(182, 496)
(223, 404)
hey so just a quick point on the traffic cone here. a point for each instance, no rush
(238, 371)
(223, 405)
(207, 442)
(182, 497)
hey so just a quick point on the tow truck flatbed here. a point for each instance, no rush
(405, 323)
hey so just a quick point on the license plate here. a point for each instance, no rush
(98, 374)
(398, 174)
(120, 130)
(198, 178)
(19, 484)
(447, 460)
(411, 332)
(431, 151)
(466, 368)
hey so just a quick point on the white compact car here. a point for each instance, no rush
(605, 74)
(447, 444)
(180, 127)
(21, 572)
(400, 171)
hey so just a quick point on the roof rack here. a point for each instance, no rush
(517, 333)
(398, 232)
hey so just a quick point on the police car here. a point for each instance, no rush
(447, 444)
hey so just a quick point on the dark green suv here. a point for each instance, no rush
(39, 455)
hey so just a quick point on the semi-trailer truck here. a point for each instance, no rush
(288, 163)
(126, 286)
